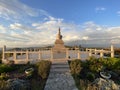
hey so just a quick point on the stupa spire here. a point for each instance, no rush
(59, 31)
(59, 36)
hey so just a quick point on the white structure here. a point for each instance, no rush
(23, 57)
(58, 52)
(101, 51)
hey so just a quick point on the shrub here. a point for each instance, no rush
(95, 65)
(43, 68)
(117, 65)
(92, 58)
(90, 76)
(75, 67)
(3, 76)
(5, 68)
(112, 63)
(96, 68)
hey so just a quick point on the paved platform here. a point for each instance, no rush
(60, 77)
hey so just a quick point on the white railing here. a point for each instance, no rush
(35, 56)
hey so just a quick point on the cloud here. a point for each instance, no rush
(106, 35)
(15, 10)
(43, 31)
(118, 13)
(100, 9)
(3, 29)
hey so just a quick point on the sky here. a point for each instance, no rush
(26, 23)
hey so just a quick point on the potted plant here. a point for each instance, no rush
(29, 71)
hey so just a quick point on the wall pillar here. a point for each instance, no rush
(3, 52)
(95, 51)
(90, 53)
(27, 56)
(40, 56)
(101, 53)
(112, 51)
(79, 55)
(14, 56)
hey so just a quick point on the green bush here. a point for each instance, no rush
(5, 68)
(75, 67)
(112, 63)
(90, 76)
(95, 65)
(3, 76)
(43, 68)
(117, 65)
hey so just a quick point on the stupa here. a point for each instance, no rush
(59, 44)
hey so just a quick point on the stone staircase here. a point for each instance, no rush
(60, 77)
(60, 67)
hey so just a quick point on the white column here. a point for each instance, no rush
(27, 55)
(95, 51)
(40, 55)
(14, 56)
(112, 51)
(3, 53)
(90, 53)
(79, 55)
(101, 53)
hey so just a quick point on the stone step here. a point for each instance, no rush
(60, 66)
(60, 70)
(58, 61)
(60, 77)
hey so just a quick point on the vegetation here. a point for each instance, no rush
(5, 68)
(0, 57)
(43, 68)
(40, 76)
(86, 72)
(90, 76)
(36, 80)
(75, 67)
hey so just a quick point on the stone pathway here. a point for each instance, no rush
(60, 77)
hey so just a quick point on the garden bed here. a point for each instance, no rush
(87, 72)
(35, 79)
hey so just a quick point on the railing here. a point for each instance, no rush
(35, 56)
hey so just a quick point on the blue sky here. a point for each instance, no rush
(35, 22)
(80, 11)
